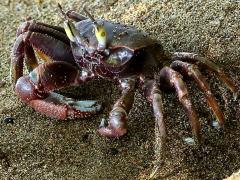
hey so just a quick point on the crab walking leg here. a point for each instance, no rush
(17, 58)
(53, 31)
(192, 70)
(36, 89)
(158, 113)
(153, 95)
(194, 58)
(57, 28)
(117, 119)
(174, 79)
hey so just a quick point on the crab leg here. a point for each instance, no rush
(53, 31)
(117, 119)
(17, 58)
(57, 28)
(36, 89)
(194, 58)
(192, 70)
(153, 95)
(173, 79)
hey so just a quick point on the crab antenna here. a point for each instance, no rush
(100, 31)
(71, 31)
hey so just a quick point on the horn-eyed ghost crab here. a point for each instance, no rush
(90, 49)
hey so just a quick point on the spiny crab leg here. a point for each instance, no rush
(192, 70)
(117, 119)
(174, 79)
(201, 61)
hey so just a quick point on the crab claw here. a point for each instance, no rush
(53, 104)
(75, 108)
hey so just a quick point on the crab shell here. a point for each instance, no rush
(129, 51)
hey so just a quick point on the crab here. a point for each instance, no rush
(86, 49)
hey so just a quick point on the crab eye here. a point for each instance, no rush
(101, 36)
(119, 56)
(100, 31)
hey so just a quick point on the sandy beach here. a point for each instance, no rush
(39, 147)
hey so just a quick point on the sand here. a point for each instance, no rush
(38, 147)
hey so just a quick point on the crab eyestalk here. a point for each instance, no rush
(101, 36)
(100, 32)
(71, 31)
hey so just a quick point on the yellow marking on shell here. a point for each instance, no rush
(101, 35)
(44, 56)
